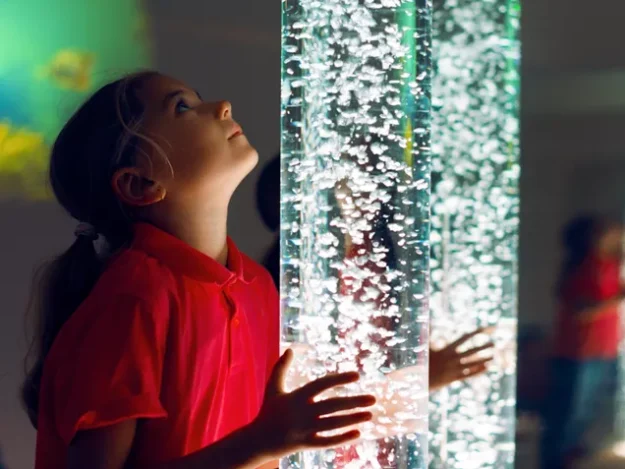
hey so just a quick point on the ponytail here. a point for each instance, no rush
(64, 284)
(102, 136)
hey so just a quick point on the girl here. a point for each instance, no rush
(587, 336)
(158, 352)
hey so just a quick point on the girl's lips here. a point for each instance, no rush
(236, 132)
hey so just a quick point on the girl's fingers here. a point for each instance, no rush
(480, 362)
(320, 385)
(341, 421)
(465, 338)
(475, 350)
(325, 442)
(337, 404)
(469, 372)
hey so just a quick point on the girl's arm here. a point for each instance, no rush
(589, 312)
(103, 448)
(288, 422)
(109, 448)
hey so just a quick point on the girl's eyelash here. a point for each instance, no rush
(182, 102)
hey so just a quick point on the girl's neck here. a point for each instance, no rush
(205, 231)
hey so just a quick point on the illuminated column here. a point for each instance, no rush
(355, 212)
(475, 203)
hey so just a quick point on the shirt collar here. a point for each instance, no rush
(186, 260)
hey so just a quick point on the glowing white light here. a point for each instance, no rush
(619, 449)
(355, 212)
(475, 223)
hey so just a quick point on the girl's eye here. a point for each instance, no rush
(182, 106)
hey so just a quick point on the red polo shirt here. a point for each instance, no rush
(596, 280)
(168, 336)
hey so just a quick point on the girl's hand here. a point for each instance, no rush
(447, 365)
(291, 422)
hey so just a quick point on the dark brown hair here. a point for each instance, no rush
(579, 237)
(101, 137)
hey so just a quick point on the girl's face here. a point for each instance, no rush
(208, 154)
(610, 242)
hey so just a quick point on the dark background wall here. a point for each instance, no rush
(573, 122)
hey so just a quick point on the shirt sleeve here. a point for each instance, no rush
(608, 280)
(112, 368)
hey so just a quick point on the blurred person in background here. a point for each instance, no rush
(587, 336)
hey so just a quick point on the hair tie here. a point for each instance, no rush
(87, 230)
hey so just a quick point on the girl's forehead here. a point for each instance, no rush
(155, 92)
(161, 85)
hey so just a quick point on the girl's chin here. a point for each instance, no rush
(250, 155)
(246, 160)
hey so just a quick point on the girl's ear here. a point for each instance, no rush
(136, 190)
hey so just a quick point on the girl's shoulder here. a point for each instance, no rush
(135, 273)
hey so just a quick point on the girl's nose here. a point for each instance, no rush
(223, 110)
